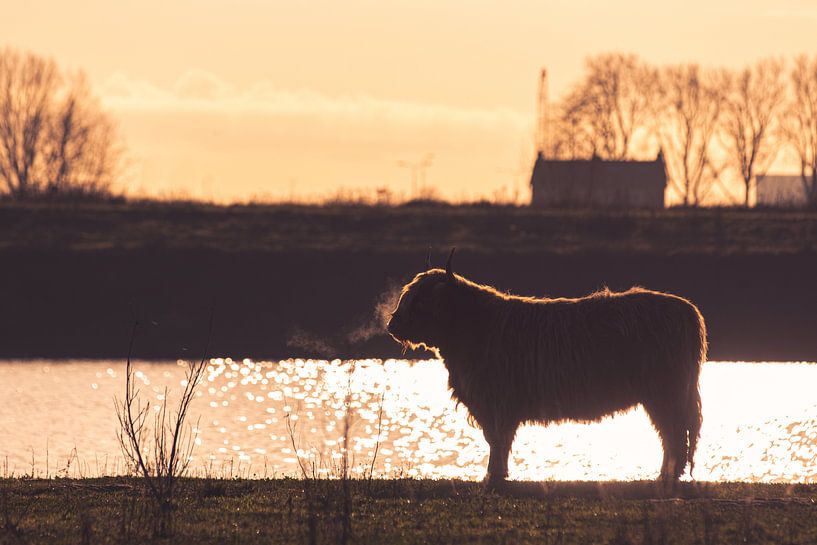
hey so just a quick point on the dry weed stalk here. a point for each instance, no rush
(161, 453)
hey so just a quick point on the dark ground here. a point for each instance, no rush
(114, 510)
(296, 281)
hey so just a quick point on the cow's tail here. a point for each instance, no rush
(694, 421)
(696, 358)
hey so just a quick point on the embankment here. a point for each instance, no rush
(73, 281)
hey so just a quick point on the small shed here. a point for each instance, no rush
(597, 183)
(781, 190)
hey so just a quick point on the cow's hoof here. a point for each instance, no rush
(667, 487)
(493, 484)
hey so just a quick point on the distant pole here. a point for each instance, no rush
(423, 167)
(418, 171)
(542, 114)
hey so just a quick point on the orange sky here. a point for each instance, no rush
(248, 98)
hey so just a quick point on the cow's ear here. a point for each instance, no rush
(449, 271)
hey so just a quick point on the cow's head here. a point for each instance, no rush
(419, 316)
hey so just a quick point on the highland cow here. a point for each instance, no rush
(515, 360)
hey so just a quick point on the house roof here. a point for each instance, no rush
(629, 173)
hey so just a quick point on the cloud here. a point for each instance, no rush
(199, 85)
(197, 91)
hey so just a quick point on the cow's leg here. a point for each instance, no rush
(500, 439)
(671, 428)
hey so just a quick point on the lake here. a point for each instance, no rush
(58, 418)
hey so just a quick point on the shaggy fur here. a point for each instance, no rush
(515, 360)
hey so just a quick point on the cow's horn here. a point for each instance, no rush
(448, 270)
(428, 258)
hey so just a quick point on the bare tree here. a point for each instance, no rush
(54, 136)
(571, 137)
(752, 100)
(801, 122)
(81, 151)
(609, 106)
(27, 85)
(685, 121)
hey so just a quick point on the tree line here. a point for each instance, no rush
(707, 122)
(55, 138)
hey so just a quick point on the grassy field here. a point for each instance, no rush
(114, 510)
(479, 229)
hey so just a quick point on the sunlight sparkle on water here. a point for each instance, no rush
(760, 422)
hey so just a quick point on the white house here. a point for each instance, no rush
(781, 190)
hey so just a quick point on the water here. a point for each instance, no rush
(58, 418)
